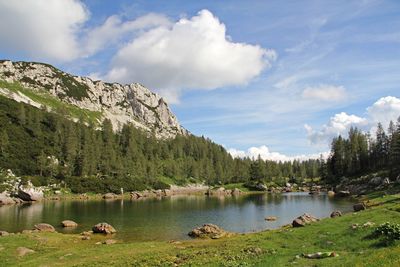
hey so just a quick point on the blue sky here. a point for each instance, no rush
(276, 78)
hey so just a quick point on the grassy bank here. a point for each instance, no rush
(269, 248)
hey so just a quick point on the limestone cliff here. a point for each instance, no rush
(121, 104)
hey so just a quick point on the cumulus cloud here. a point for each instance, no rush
(192, 53)
(266, 154)
(41, 28)
(324, 92)
(114, 28)
(383, 110)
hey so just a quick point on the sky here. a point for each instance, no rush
(278, 79)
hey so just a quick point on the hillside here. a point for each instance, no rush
(40, 84)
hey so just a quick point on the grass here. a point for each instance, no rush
(239, 186)
(46, 99)
(282, 247)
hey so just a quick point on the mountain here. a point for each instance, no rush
(82, 98)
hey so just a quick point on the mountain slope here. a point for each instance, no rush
(41, 84)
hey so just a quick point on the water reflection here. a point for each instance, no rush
(171, 217)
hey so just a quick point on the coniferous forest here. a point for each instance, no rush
(362, 153)
(46, 147)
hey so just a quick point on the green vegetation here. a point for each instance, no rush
(282, 247)
(389, 232)
(46, 99)
(361, 154)
(34, 142)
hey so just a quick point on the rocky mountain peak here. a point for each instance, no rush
(122, 104)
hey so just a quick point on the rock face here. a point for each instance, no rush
(208, 231)
(121, 104)
(103, 228)
(44, 227)
(303, 220)
(69, 223)
(359, 207)
(30, 193)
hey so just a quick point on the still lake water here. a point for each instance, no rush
(172, 217)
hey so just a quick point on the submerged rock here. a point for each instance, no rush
(271, 218)
(208, 231)
(44, 227)
(303, 220)
(103, 228)
(69, 223)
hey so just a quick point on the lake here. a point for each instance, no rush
(172, 217)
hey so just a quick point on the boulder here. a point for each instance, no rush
(69, 223)
(386, 181)
(167, 192)
(103, 228)
(331, 193)
(4, 233)
(135, 195)
(208, 231)
(5, 199)
(375, 181)
(261, 187)
(359, 206)
(44, 227)
(109, 196)
(303, 220)
(271, 218)
(109, 241)
(236, 191)
(336, 213)
(343, 193)
(30, 193)
(22, 251)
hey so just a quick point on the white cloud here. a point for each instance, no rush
(113, 29)
(193, 53)
(266, 154)
(383, 110)
(325, 92)
(41, 28)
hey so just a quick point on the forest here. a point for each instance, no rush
(362, 153)
(47, 147)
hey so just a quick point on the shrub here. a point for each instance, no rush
(389, 232)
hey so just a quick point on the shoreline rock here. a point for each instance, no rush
(103, 228)
(208, 231)
(68, 224)
(303, 220)
(44, 227)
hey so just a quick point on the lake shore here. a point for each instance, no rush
(280, 247)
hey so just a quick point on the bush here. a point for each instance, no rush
(389, 232)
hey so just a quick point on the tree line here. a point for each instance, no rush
(363, 153)
(48, 148)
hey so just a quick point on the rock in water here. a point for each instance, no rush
(336, 213)
(359, 207)
(271, 218)
(30, 193)
(44, 227)
(103, 228)
(208, 231)
(69, 223)
(303, 220)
